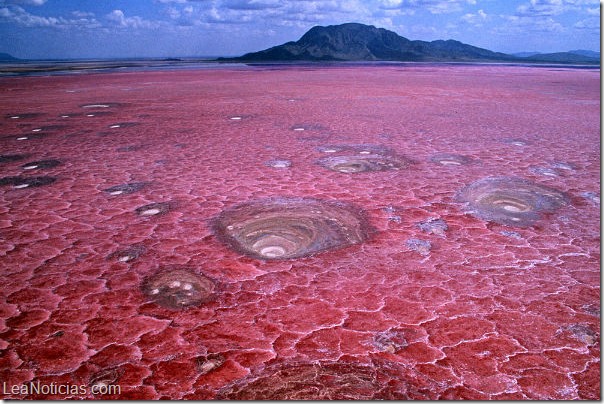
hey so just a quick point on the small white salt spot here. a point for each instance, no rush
(187, 286)
(364, 152)
(329, 151)
(36, 130)
(235, 118)
(516, 219)
(511, 208)
(450, 163)
(299, 129)
(272, 251)
(518, 143)
(64, 116)
(89, 114)
(292, 100)
(15, 117)
(21, 186)
(22, 138)
(154, 291)
(124, 258)
(116, 192)
(30, 167)
(230, 227)
(149, 212)
(96, 106)
(174, 284)
(115, 126)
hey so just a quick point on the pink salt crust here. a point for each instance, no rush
(489, 312)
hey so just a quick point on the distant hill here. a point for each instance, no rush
(588, 53)
(5, 57)
(359, 42)
(525, 54)
(563, 57)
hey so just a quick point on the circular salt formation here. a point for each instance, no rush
(27, 182)
(128, 254)
(278, 163)
(318, 381)
(447, 159)
(124, 189)
(545, 171)
(41, 164)
(153, 209)
(511, 201)
(101, 105)
(362, 163)
(178, 288)
(286, 228)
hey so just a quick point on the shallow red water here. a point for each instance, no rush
(486, 311)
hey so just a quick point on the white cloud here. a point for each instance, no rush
(588, 24)
(527, 24)
(24, 2)
(475, 19)
(119, 18)
(592, 11)
(552, 7)
(433, 6)
(18, 15)
(82, 14)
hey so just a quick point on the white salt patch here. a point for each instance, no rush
(155, 291)
(329, 151)
(116, 192)
(187, 286)
(174, 284)
(89, 114)
(30, 167)
(36, 130)
(15, 117)
(235, 118)
(21, 186)
(64, 116)
(153, 211)
(124, 258)
(96, 106)
(114, 126)
(364, 152)
(22, 138)
(272, 251)
(299, 129)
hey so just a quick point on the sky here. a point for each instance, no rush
(65, 29)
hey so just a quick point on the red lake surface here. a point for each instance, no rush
(348, 232)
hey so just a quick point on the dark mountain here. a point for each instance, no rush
(358, 42)
(5, 57)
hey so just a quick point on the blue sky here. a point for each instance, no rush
(39, 29)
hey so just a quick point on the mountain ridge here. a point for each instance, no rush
(360, 42)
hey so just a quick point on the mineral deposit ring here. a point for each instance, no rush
(287, 228)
